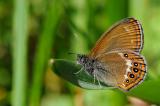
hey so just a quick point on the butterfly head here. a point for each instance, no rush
(88, 63)
(82, 59)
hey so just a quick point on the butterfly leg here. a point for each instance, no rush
(94, 77)
(98, 81)
(79, 71)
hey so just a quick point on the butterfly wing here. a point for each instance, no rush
(124, 69)
(125, 35)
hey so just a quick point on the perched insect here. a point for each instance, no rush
(115, 59)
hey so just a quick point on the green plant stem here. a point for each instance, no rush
(20, 32)
(43, 52)
(79, 18)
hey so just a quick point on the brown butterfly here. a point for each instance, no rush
(115, 59)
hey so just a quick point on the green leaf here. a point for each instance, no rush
(69, 71)
(148, 90)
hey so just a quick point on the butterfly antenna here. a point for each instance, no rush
(99, 83)
(94, 78)
(72, 53)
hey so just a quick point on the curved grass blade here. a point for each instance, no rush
(67, 70)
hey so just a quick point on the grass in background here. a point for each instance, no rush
(43, 51)
(50, 29)
(20, 38)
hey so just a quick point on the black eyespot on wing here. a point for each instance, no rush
(131, 75)
(125, 55)
(135, 64)
(135, 70)
(127, 80)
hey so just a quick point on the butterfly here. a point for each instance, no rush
(115, 59)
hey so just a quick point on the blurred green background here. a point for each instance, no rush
(32, 32)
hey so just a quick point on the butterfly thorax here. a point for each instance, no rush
(89, 64)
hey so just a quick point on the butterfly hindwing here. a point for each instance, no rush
(126, 68)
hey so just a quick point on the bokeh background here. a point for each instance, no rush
(33, 31)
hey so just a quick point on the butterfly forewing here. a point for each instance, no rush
(125, 35)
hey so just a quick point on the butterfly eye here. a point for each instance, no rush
(89, 63)
(93, 61)
(91, 70)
